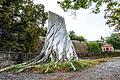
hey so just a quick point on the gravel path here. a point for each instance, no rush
(106, 71)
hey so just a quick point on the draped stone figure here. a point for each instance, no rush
(58, 46)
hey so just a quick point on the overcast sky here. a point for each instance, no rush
(91, 26)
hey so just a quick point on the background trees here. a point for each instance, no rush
(73, 36)
(114, 39)
(112, 11)
(20, 23)
(113, 15)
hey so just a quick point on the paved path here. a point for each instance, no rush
(106, 71)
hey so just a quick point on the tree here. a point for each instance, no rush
(112, 11)
(114, 39)
(43, 31)
(73, 36)
(20, 22)
(113, 16)
(81, 39)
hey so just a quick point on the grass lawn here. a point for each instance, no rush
(57, 67)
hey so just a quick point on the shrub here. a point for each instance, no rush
(93, 47)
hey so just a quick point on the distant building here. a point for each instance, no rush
(107, 48)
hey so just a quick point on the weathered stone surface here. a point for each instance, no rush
(58, 45)
(80, 47)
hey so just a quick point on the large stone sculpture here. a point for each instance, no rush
(58, 46)
(57, 40)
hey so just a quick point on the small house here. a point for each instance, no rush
(107, 48)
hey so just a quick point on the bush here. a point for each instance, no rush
(93, 47)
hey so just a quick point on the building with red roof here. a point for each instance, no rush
(107, 47)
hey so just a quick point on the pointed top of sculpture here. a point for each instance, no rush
(52, 13)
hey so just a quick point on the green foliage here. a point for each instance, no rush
(114, 39)
(20, 22)
(78, 4)
(15, 68)
(112, 10)
(73, 36)
(113, 16)
(43, 31)
(93, 47)
(80, 38)
(60, 66)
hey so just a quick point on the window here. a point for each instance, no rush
(107, 49)
(110, 49)
(104, 49)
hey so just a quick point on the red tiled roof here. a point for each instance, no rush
(107, 45)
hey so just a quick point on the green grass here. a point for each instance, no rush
(15, 68)
(60, 66)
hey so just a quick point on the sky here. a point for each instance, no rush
(90, 26)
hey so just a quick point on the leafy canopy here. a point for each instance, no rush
(112, 11)
(20, 22)
(73, 36)
(114, 39)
